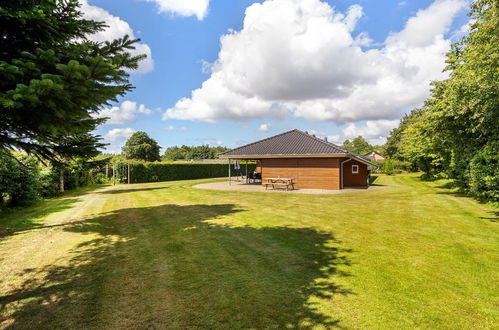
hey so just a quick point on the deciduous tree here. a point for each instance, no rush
(358, 145)
(141, 146)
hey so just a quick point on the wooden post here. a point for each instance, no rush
(128, 173)
(229, 172)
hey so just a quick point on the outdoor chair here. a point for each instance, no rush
(257, 176)
(250, 176)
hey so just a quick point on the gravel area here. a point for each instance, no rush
(252, 187)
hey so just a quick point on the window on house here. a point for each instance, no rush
(355, 169)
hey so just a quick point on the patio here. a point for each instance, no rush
(257, 187)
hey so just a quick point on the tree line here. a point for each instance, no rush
(140, 146)
(455, 134)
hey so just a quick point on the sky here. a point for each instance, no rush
(229, 72)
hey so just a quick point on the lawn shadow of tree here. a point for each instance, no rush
(494, 216)
(120, 190)
(181, 266)
(17, 220)
(373, 179)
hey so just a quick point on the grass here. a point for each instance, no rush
(166, 255)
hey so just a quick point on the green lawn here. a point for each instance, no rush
(166, 255)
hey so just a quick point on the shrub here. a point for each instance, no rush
(19, 180)
(484, 172)
(99, 178)
(388, 166)
(398, 166)
(49, 180)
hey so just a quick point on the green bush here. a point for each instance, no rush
(99, 178)
(388, 166)
(19, 180)
(398, 166)
(484, 172)
(49, 180)
(158, 171)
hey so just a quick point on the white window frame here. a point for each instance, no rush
(355, 169)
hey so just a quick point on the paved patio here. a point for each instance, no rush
(256, 187)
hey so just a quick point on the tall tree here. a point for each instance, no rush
(457, 132)
(464, 109)
(53, 79)
(358, 145)
(141, 146)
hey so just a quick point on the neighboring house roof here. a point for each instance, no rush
(370, 155)
(373, 152)
(291, 143)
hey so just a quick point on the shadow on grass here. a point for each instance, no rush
(372, 181)
(129, 190)
(450, 188)
(181, 266)
(26, 218)
(493, 218)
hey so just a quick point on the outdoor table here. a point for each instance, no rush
(287, 182)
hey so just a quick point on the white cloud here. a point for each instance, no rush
(374, 131)
(117, 28)
(125, 113)
(264, 128)
(198, 8)
(210, 141)
(173, 128)
(302, 57)
(116, 138)
(330, 138)
(428, 26)
(334, 139)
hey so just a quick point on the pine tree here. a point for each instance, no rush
(53, 79)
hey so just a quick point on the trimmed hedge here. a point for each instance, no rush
(141, 172)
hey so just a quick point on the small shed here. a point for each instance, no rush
(313, 163)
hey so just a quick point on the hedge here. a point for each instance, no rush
(156, 171)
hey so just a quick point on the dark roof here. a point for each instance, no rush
(294, 142)
(291, 143)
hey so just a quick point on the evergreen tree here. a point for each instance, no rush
(53, 79)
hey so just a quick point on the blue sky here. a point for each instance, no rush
(337, 68)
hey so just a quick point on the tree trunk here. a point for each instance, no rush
(61, 180)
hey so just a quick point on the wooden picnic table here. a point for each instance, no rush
(283, 182)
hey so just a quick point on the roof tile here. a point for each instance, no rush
(294, 142)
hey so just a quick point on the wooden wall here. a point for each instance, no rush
(311, 173)
(354, 180)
